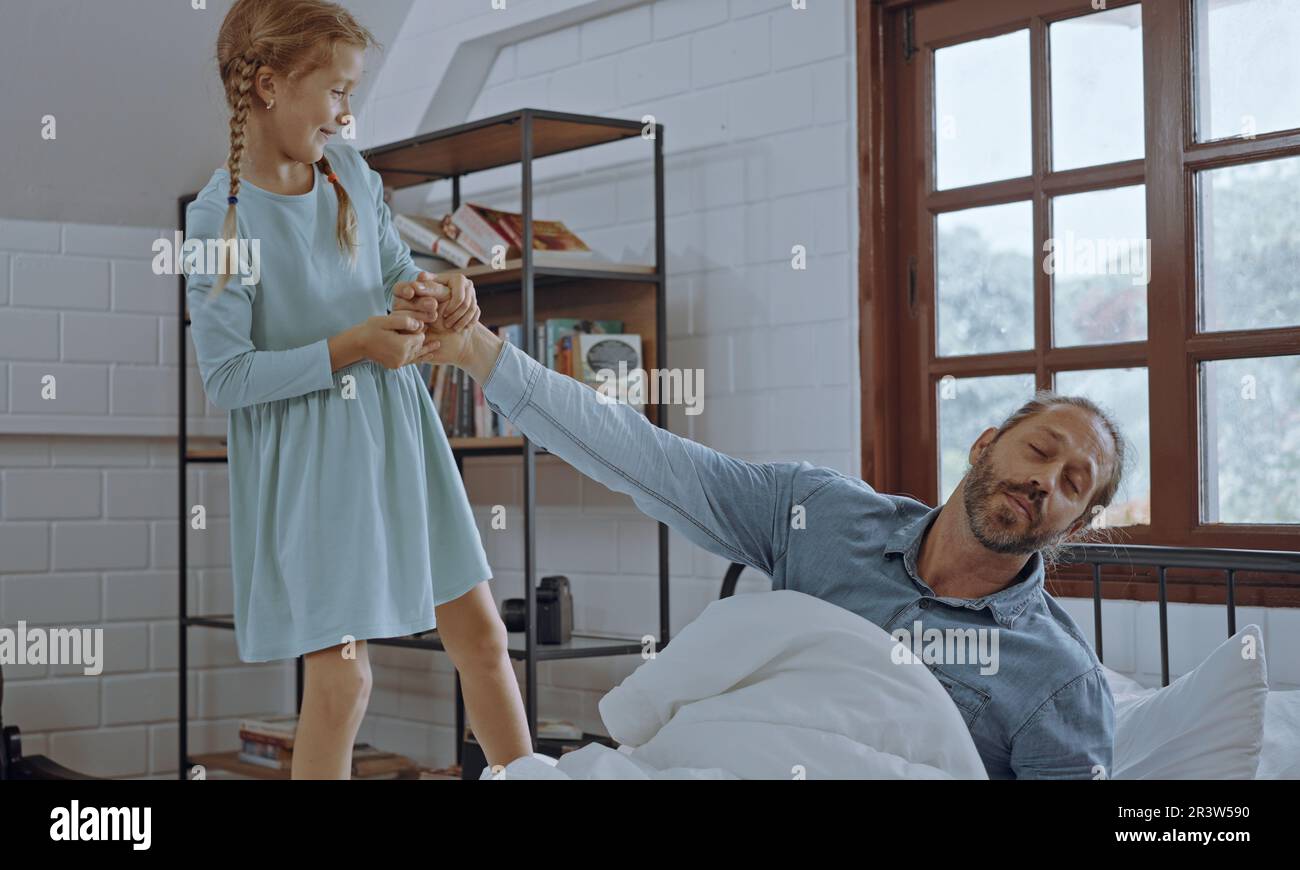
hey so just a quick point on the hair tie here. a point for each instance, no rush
(332, 178)
(232, 200)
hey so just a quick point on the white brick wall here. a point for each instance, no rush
(1131, 637)
(81, 303)
(88, 532)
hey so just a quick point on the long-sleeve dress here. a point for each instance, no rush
(347, 515)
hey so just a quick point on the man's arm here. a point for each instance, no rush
(1071, 736)
(736, 509)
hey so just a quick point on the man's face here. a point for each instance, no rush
(1051, 463)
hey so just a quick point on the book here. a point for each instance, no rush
(425, 235)
(481, 421)
(430, 263)
(260, 761)
(605, 352)
(557, 729)
(281, 726)
(481, 229)
(276, 740)
(265, 754)
(465, 415)
(564, 352)
(266, 750)
(549, 236)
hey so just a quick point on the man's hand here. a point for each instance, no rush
(475, 350)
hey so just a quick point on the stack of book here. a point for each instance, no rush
(569, 345)
(474, 233)
(464, 412)
(268, 742)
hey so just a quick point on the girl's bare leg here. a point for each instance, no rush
(475, 638)
(334, 697)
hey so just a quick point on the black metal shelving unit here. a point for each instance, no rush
(521, 136)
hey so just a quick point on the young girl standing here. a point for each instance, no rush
(348, 519)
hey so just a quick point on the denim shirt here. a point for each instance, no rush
(1046, 712)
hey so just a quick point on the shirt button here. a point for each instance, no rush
(925, 603)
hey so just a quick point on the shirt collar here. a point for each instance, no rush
(1006, 604)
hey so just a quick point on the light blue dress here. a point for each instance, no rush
(347, 514)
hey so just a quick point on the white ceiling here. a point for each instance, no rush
(134, 89)
(141, 120)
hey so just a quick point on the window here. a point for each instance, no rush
(1099, 200)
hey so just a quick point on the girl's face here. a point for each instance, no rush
(317, 106)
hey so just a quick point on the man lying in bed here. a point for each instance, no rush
(1046, 712)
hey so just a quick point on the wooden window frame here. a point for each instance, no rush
(896, 40)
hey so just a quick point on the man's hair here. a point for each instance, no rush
(1114, 473)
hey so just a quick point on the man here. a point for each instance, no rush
(1045, 709)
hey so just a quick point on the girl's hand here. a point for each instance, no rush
(420, 297)
(460, 311)
(392, 340)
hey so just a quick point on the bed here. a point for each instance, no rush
(783, 685)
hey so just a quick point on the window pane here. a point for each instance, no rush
(1096, 69)
(981, 111)
(1250, 245)
(1250, 440)
(968, 406)
(1098, 260)
(1247, 67)
(985, 279)
(1123, 394)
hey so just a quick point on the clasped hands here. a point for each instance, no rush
(445, 312)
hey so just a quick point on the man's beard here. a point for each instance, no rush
(994, 522)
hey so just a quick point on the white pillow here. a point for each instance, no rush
(1280, 757)
(1121, 687)
(1207, 724)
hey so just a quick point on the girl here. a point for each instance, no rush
(348, 519)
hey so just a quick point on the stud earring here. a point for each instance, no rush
(270, 104)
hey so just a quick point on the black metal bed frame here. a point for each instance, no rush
(1160, 558)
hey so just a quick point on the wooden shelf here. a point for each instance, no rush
(579, 645)
(459, 444)
(489, 143)
(549, 269)
(565, 286)
(230, 762)
(495, 444)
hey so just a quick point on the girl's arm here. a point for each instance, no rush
(394, 255)
(236, 374)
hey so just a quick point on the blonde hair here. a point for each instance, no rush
(295, 38)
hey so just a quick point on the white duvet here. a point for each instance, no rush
(774, 685)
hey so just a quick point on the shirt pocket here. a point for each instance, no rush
(969, 700)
